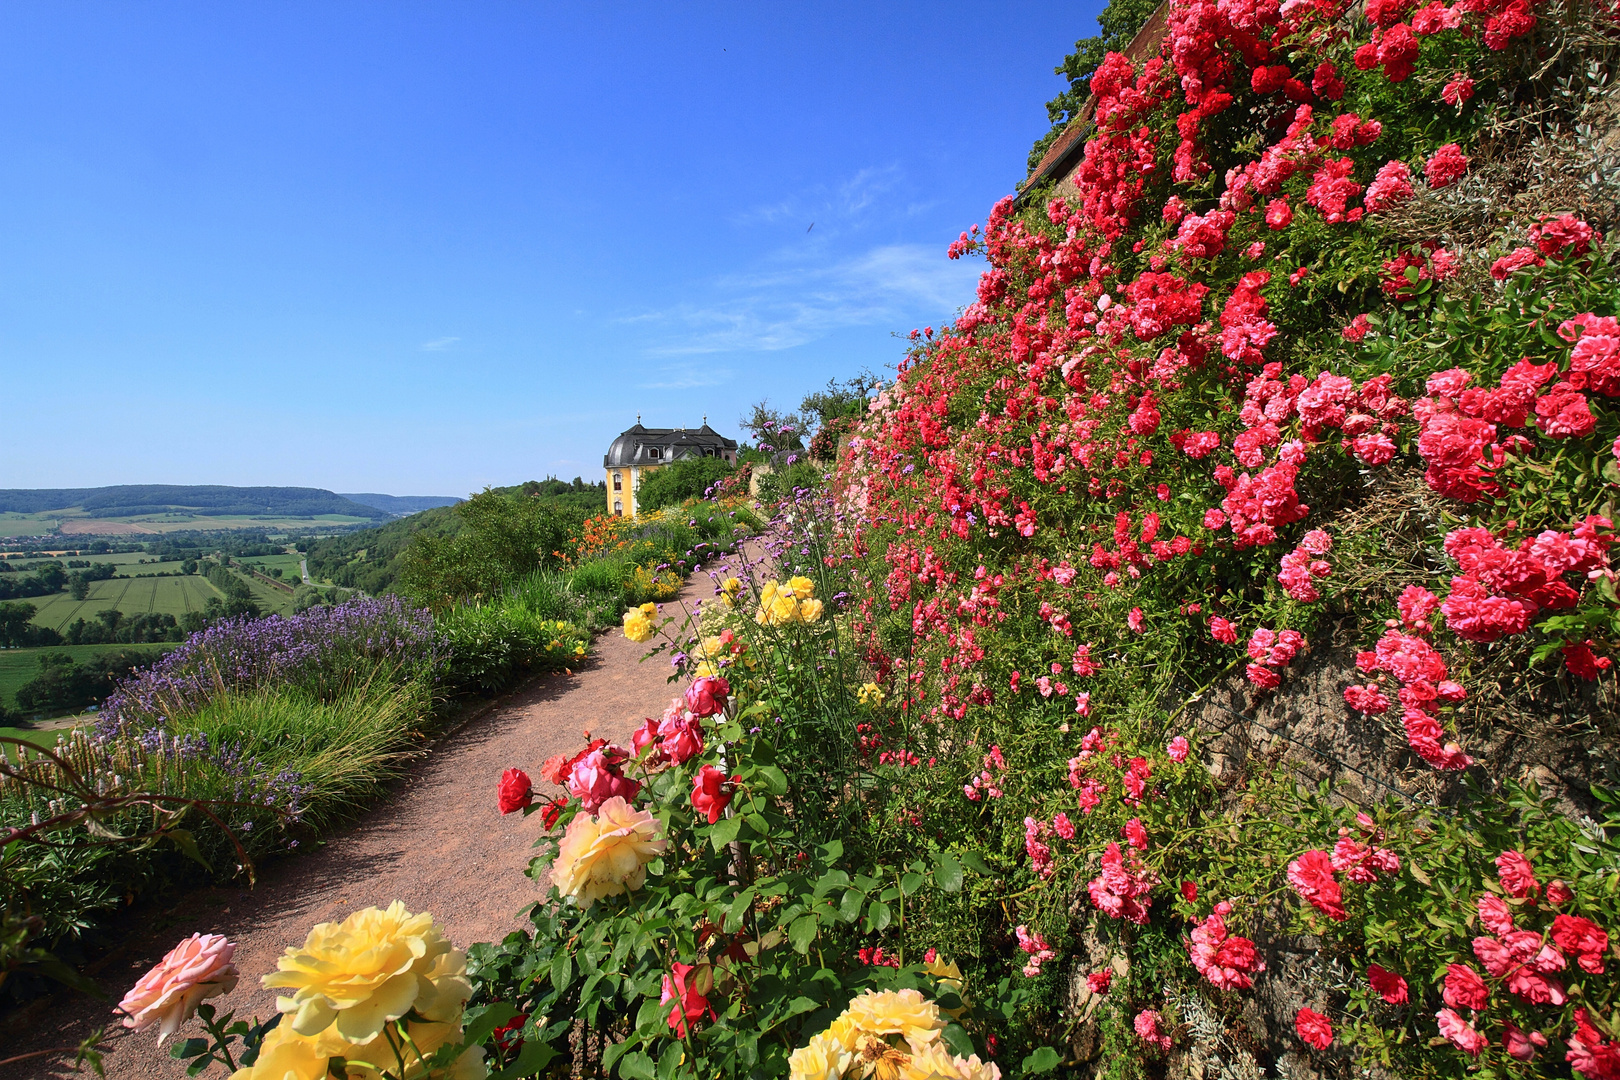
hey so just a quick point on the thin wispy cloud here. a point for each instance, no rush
(439, 344)
(687, 377)
(787, 306)
(832, 207)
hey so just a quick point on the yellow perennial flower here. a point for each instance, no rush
(803, 588)
(870, 694)
(810, 610)
(637, 626)
(607, 854)
(372, 968)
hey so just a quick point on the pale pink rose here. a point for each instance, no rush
(197, 968)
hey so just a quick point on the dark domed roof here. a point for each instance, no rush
(634, 445)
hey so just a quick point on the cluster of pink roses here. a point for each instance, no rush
(1035, 946)
(1314, 874)
(1424, 687)
(1524, 963)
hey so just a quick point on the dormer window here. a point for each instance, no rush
(654, 453)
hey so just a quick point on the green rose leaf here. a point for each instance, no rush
(1043, 1060)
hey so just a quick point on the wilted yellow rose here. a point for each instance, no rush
(810, 610)
(607, 854)
(949, 975)
(637, 627)
(896, 1012)
(803, 588)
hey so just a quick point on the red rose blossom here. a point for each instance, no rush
(515, 791)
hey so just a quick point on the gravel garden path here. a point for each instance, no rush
(437, 843)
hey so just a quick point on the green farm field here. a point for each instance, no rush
(287, 564)
(19, 666)
(133, 596)
(271, 599)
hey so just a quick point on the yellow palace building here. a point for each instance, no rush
(643, 450)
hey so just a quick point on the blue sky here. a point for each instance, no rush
(423, 247)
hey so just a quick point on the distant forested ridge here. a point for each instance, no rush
(205, 500)
(400, 505)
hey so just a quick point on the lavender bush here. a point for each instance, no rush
(325, 652)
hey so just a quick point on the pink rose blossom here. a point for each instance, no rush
(199, 967)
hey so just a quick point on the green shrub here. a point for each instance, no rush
(690, 478)
(779, 485)
(493, 645)
(503, 538)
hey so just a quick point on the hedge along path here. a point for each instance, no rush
(437, 843)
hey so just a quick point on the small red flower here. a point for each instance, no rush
(1387, 985)
(1518, 878)
(711, 792)
(551, 811)
(680, 993)
(515, 790)
(507, 1035)
(707, 696)
(1314, 1028)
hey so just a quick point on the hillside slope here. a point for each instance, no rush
(400, 505)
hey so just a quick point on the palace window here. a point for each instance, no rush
(618, 481)
(618, 508)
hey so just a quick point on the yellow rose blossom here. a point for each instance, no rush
(803, 588)
(870, 694)
(828, 1055)
(896, 1012)
(731, 588)
(607, 854)
(779, 604)
(934, 1062)
(360, 974)
(888, 1035)
(287, 1055)
(637, 627)
(649, 609)
(810, 610)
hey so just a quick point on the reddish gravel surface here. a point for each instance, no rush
(437, 843)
